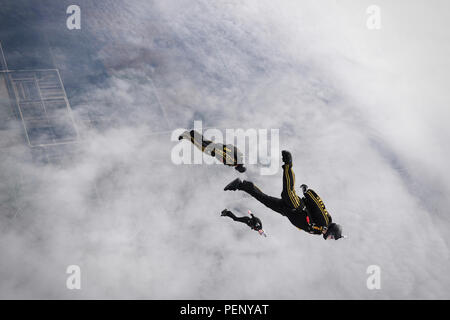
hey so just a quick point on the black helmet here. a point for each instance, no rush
(334, 231)
(256, 223)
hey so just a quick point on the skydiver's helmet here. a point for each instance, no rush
(334, 231)
(256, 223)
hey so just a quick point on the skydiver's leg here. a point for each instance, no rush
(288, 194)
(198, 140)
(273, 203)
(230, 214)
(217, 150)
(230, 156)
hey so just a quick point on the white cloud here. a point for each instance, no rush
(363, 114)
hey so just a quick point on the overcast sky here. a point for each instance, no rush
(364, 113)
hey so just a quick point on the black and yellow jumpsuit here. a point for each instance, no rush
(228, 154)
(307, 213)
(253, 222)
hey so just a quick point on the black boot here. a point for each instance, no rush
(286, 156)
(233, 185)
(225, 213)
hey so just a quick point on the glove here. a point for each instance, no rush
(304, 187)
(287, 157)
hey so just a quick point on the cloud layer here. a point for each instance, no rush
(363, 113)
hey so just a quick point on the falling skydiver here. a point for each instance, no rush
(254, 222)
(228, 154)
(307, 213)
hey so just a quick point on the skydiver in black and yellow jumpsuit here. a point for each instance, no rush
(253, 222)
(307, 213)
(228, 154)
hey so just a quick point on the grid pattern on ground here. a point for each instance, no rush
(43, 107)
(3, 64)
